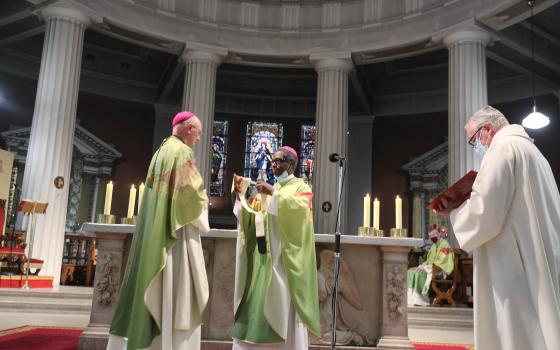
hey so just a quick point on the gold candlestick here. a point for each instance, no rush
(377, 233)
(369, 232)
(398, 232)
(129, 221)
(106, 219)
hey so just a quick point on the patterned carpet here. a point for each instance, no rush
(58, 338)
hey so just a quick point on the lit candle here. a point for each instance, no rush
(398, 212)
(367, 211)
(131, 202)
(140, 195)
(108, 198)
(376, 214)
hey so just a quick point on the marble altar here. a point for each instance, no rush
(372, 286)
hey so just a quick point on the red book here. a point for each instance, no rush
(455, 195)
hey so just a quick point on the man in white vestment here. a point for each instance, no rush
(512, 224)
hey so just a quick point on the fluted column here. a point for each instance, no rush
(467, 94)
(52, 131)
(332, 129)
(199, 93)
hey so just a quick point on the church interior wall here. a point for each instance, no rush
(397, 140)
(129, 127)
(546, 139)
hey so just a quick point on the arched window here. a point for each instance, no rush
(262, 140)
(307, 153)
(219, 157)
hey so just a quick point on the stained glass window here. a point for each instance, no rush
(307, 152)
(219, 156)
(262, 140)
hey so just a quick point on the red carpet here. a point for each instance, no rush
(40, 338)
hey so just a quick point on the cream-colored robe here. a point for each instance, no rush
(178, 295)
(512, 223)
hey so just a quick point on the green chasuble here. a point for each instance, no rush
(441, 254)
(261, 306)
(174, 196)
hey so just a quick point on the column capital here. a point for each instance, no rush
(201, 52)
(70, 10)
(332, 60)
(463, 35)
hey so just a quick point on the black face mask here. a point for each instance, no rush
(433, 239)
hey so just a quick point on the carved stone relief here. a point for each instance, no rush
(348, 296)
(106, 285)
(395, 292)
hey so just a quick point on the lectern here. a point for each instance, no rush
(31, 208)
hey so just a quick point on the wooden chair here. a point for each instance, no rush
(445, 288)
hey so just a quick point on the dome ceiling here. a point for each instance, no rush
(140, 62)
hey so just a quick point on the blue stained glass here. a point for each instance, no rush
(262, 140)
(307, 152)
(219, 156)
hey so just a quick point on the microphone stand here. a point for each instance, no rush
(341, 170)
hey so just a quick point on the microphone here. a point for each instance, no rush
(335, 157)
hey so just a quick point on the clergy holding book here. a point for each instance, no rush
(511, 222)
(276, 293)
(165, 289)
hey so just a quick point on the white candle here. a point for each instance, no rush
(398, 212)
(376, 214)
(140, 195)
(108, 198)
(367, 211)
(131, 202)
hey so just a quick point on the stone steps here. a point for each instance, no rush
(71, 306)
(72, 300)
(444, 318)
(452, 325)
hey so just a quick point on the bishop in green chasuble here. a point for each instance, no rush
(165, 289)
(276, 293)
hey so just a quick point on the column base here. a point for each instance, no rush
(94, 338)
(388, 342)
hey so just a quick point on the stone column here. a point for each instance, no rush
(93, 211)
(332, 130)
(201, 63)
(112, 253)
(394, 324)
(52, 131)
(417, 211)
(467, 94)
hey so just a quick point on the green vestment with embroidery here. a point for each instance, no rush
(259, 316)
(174, 196)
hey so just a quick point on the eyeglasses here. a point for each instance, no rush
(278, 160)
(472, 140)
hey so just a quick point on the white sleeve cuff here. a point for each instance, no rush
(237, 209)
(273, 206)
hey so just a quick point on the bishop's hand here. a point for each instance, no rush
(237, 185)
(264, 187)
